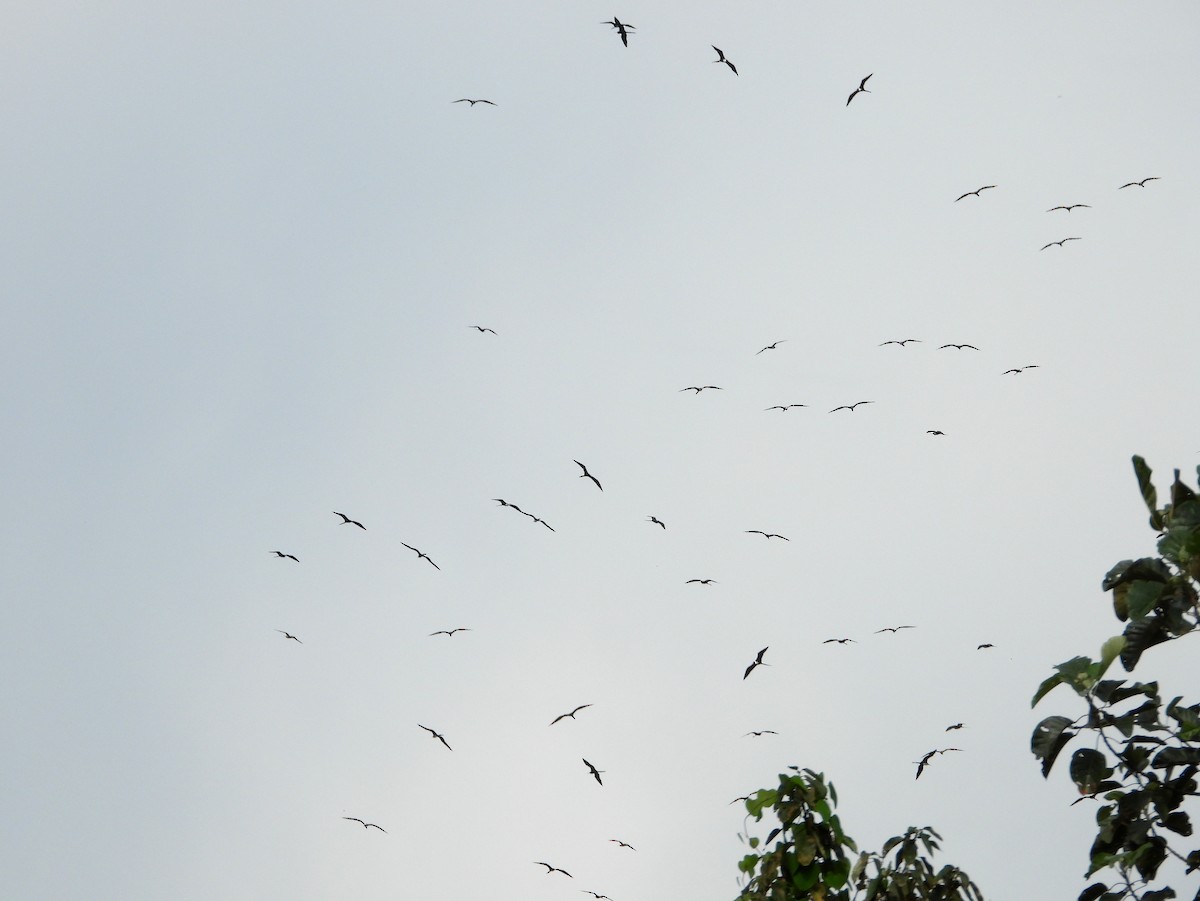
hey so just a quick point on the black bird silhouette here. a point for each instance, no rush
(758, 661)
(924, 762)
(1069, 207)
(550, 869)
(595, 772)
(698, 389)
(762, 732)
(934, 432)
(785, 407)
(571, 714)
(1140, 184)
(588, 475)
(701, 581)
(893, 629)
(346, 520)
(1007, 371)
(623, 28)
(281, 555)
(449, 632)
(596, 895)
(771, 346)
(365, 824)
(973, 193)
(505, 503)
(438, 736)
(903, 343)
(839, 641)
(953, 727)
(538, 519)
(982, 646)
(622, 844)
(1059, 243)
(421, 555)
(767, 535)
(1021, 368)
(481, 329)
(851, 406)
(959, 346)
(656, 520)
(861, 89)
(287, 635)
(721, 58)
(473, 102)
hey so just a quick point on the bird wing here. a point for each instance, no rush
(749, 669)
(720, 53)
(968, 194)
(842, 407)
(431, 563)
(732, 66)
(579, 708)
(443, 741)
(356, 819)
(369, 825)
(862, 85)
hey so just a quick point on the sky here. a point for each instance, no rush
(244, 246)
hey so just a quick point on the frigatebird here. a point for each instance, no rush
(1140, 184)
(421, 554)
(762, 732)
(595, 772)
(924, 761)
(722, 59)
(623, 28)
(1069, 207)
(982, 646)
(571, 714)
(953, 727)
(934, 432)
(771, 346)
(449, 632)
(1059, 243)
(839, 641)
(281, 555)
(481, 329)
(438, 736)
(975, 192)
(701, 581)
(784, 407)
(861, 89)
(959, 346)
(657, 521)
(699, 388)
(903, 343)
(622, 844)
(287, 635)
(767, 535)
(473, 102)
(346, 520)
(550, 869)
(595, 895)
(893, 629)
(588, 475)
(365, 824)
(851, 407)
(758, 661)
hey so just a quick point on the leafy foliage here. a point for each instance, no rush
(810, 858)
(1146, 755)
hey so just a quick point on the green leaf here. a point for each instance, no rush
(1140, 636)
(1176, 757)
(1162, 894)
(1044, 689)
(748, 863)
(1142, 597)
(1093, 891)
(1149, 495)
(1178, 822)
(1078, 673)
(1088, 768)
(1049, 737)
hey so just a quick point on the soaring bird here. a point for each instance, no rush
(365, 824)
(481, 329)
(281, 555)
(924, 762)
(762, 732)
(287, 635)
(785, 407)
(959, 346)
(588, 475)
(595, 772)
(767, 535)
(505, 503)
(893, 629)
(1140, 184)
(1059, 243)
(473, 102)
(701, 581)
(758, 661)
(623, 28)
(861, 89)
(421, 555)
(622, 844)
(538, 519)
(1021, 369)
(699, 388)
(563, 716)
(851, 407)
(657, 521)
(721, 58)
(1068, 207)
(982, 646)
(550, 869)
(596, 895)
(346, 520)
(449, 632)
(903, 343)
(839, 641)
(771, 346)
(438, 736)
(975, 192)
(954, 726)
(934, 432)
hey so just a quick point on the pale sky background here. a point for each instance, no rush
(244, 243)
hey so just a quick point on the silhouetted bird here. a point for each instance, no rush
(953, 727)
(701, 581)
(1069, 207)
(893, 629)
(657, 521)
(758, 661)
(623, 28)
(346, 520)
(934, 432)
(839, 641)
(288, 635)
(959, 346)
(903, 343)
(571, 714)
(473, 102)
(449, 631)
(421, 555)
(698, 389)
(973, 193)
(480, 328)
(595, 772)
(765, 534)
(1059, 243)
(437, 735)
(595, 895)
(550, 869)
(982, 646)
(771, 346)
(1140, 184)
(281, 554)
(622, 844)
(861, 89)
(721, 58)
(762, 732)
(851, 406)
(588, 475)
(365, 825)
(786, 407)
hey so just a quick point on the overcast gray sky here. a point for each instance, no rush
(243, 246)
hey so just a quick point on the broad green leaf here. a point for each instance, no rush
(1076, 673)
(748, 863)
(1142, 596)
(1149, 495)
(1044, 689)
(1048, 739)
(1088, 769)
(1139, 636)
(1175, 757)
(1093, 891)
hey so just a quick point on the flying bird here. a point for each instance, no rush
(473, 102)
(1021, 369)
(622, 844)
(623, 28)
(597, 895)
(588, 475)
(903, 343)
(1059, 243)
(771, 346)
(656, 520)
(421, 555)
(346, 520)
(481, 329)
(698, 389)
(839, 641)
(767, 535)
(934, 432)
(571, 714)
(281, 555)
(861, 89)
(785, 407)
(762, 732)
(438, 736)
(953, 727)
(449, 632)
(550, 869)
(365, 824)
(722, 59)
(893, 629)
(538, 519)
(851, 406)
(924, 762)
(973, 193)
(595, 772)
(701, 581)
(1140, 184)
(1069, 207)
(982, 646)
(758, 661)
(959, 346)
(505, 503)
(287, 635)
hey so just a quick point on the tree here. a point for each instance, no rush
(810, 858)
(1145, 755)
